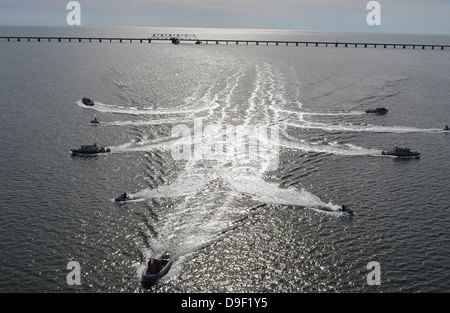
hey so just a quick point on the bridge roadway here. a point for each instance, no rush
(193, 39)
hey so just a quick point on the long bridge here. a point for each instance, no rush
(189, 38)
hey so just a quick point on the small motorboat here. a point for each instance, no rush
(95, 121)
(88, 102)
(346, 211)
(446, 128)
(122, 198)
(381, 110)
(90, 150)
(157, 266)
(401, 152)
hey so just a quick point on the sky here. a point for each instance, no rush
(395, 16)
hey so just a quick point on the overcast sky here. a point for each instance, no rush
(397, 16)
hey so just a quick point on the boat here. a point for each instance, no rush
(347, 211)
(95, 121)
(446, 128)
(401, 152)
(88, 102)
(122, 198)
(157, 266)
(90, 150)
(381, 110)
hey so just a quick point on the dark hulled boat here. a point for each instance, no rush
(400, 152)
(88, 102)
(90, 150)
(157, 266)
(377, 111)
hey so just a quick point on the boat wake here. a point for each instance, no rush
(118, 109)
(216, 192)
(210, 204)
(355, 128)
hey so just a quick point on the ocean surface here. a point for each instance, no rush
(237, 214)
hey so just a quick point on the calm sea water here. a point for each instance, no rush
(232, 226)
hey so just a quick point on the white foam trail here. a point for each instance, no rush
(349, 113)
(108, 108)
(149, 122)
(302, 112)
(326, 147)
(264, 94)
(232, 83)
(163, 143)
(249, 112)
(271, 193)
(356, 128)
